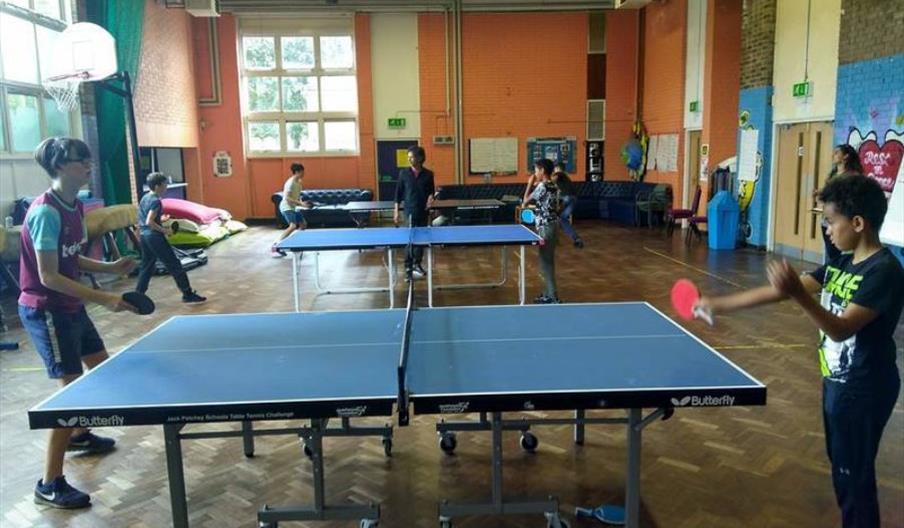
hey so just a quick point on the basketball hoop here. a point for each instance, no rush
(84, 52)
(64, 90)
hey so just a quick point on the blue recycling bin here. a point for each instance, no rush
(723, 214)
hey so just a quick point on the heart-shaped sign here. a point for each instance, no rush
(882, 163)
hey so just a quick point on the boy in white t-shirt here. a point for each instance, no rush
(289, 207)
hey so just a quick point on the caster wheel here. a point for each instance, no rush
(529, 441)
(268, 525)
(387, 448)
(308, 452)
(448, 443)
(369, 523)
(445, 524)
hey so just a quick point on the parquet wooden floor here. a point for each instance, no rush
(704, 468)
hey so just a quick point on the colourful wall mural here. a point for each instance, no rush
(869, 115)
(755, 113)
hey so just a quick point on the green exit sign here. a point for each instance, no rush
(396, 122)
(803, 89)
(694, 106)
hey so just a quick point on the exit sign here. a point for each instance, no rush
(694, 106)
(396, 122)
(803, 89)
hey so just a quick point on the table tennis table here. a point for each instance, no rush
(488, 360)
(392, 238)
(360, 211)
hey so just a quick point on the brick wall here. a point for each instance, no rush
(870, 29)
(663, 91)
(869, 102)
(757, 43)
(166, 110)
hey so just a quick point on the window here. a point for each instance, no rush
(299, 91)
(28, 30)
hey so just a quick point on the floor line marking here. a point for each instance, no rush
(695, 268)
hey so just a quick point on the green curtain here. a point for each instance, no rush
(124, 20)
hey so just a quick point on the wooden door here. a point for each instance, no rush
(804, 160)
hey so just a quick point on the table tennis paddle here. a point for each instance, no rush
(528, 216)
(140, 301)
(684, 295)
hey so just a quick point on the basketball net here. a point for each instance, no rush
(64, 89)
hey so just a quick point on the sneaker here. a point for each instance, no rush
(90, 443)
(418, 272)
(192, 297)
(59, 494)
(579, 244)
(275, 252)
(545, 299)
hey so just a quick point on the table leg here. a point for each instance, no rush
(176, 475)
(248, 438)
(632, 482)
(392, 277)
(295, 284)
(429, 276)
(521, 292)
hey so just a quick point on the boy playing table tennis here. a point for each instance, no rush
(861, 297)
(290, 206)
(546, 196)
(52, 302)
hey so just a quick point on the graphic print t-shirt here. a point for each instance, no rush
(547, 197)
(51, 224)
(876, 283)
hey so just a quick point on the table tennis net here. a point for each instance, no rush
(403, 356)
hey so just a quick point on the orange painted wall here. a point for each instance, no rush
(435, 120)
(621, 86)
(534, 85)
(722, 81)
(247, 192)
(665, 32)
(221, 125)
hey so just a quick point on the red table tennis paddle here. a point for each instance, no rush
(140, 301)
(684, 295)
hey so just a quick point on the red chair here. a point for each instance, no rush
(690, 215)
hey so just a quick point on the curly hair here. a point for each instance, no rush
(856, 195)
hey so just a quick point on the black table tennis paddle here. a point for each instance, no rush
(140, 301)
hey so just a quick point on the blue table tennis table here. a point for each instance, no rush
(487, 360)
(392, 238)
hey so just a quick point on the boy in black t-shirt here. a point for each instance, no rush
(861, 297)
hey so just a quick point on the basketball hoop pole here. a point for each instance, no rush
(126, 93)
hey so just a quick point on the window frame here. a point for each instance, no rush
(282, 117)
(29, 89)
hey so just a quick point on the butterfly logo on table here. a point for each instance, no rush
(682, 402)
(67, 423)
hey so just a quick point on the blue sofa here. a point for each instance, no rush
(606, 200)
(325, 216)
